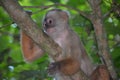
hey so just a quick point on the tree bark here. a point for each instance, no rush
(97, 20)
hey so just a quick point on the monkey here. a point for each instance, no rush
(73, 56)
(56, 25)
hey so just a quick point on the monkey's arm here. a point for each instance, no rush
(31, 51)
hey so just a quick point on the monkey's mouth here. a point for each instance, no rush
(48, 28)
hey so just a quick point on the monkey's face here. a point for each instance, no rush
(48, 23)
(55, 19)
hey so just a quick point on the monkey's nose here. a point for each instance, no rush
(44, 27)
(45, 24)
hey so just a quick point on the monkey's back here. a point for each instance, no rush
(78, 52)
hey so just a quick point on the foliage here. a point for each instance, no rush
(12, 65)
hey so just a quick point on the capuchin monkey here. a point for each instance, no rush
(73, 56)
(56, 25)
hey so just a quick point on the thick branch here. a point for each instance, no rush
(26, 23)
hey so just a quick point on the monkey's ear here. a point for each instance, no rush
(30, 50)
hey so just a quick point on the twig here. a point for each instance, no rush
(107, 14)
(6, 25)
(57, 4)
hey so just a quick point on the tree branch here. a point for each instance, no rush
(58, 4)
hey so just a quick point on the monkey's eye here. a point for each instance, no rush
(49, 21)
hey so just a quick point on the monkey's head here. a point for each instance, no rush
(55, 20)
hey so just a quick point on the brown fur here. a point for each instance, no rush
(71, 66)
(100, 73)
(30, 50)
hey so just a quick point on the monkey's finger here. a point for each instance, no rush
(52, 69)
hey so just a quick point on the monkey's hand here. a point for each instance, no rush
(67, 66)
(53, 68)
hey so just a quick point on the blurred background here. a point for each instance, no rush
(12, 64)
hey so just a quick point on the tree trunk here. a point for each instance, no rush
(97, 20)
